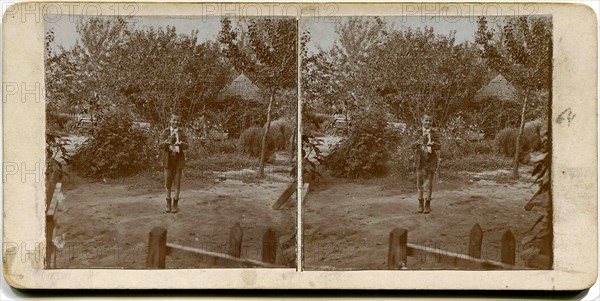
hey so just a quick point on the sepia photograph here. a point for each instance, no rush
(170, 142)
(427, 142)
(300, 146)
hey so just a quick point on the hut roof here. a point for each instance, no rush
(242, 87)
(499, 88)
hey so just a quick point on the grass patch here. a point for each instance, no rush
(222, 162)
(476, 163)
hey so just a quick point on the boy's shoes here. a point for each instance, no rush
(168, 208)
(175, 205)
(420, 206)
(427, 207)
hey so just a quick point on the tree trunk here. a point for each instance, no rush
(518, 143)
(263, 146)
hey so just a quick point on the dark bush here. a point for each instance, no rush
(403, 161)
(251, 140)
(506, 139)
(56, 157)
(116, 148)
(284, 130)
(58, 123)
(366, 151)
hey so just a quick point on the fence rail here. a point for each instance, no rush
(159, 249)
(400, 249)
(51, 211)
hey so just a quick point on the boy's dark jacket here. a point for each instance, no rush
(423, 159)
(164, 148)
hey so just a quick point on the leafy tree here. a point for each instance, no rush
(269, 58)
(419, 71)
(522, 52)
(344, 68)
(398, 73)
(114, 64)
(120, 73)
(406, 71)
(154, 56)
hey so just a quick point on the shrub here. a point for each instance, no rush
(403, 160)
(367, 149)
(506, 139)
(116, 148)
(251, 140)
(56, 157)
(56, 122)
(540, 236)
(284, 130)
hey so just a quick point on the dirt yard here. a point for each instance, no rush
(106, 224)
(347, 223)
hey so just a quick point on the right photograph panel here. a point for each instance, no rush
(426, 143)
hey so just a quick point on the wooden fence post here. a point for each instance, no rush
(51, 212)
(157, 248)
(269, 247)
(285, 195)
(475, 239)
(508, 248)
(397, 251)
(49, 242)
(236, 235)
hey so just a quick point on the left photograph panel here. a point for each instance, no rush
(170, 142)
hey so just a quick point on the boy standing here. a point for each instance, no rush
(427, 147)
(172, 144)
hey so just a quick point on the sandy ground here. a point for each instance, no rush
(107, 224)
(347, 223)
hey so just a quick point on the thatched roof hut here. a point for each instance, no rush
(498, 88)
(241, 87)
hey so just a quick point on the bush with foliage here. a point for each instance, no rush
(56, 157)
(284, 130)
(403, 160)
(251, 139)
(116, 148)
(56, 122)
(367, 149)
(312, 158)
(506, 139)
(540, 237)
